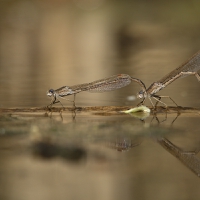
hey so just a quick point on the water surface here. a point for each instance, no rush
(101, 155)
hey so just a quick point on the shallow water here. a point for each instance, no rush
(97, 152)
(99, 155)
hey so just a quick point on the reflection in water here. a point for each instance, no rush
(90, 149)
(107, 111)
(156, 113)
(122, 144)
(189, 159)
(48, 150)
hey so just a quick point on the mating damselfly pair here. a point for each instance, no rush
(190, 67)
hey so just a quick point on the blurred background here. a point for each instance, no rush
(51, 43)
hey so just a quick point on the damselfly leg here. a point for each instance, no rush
(158, 100)
(54, 101)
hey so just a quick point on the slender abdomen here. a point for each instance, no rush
(191, 65)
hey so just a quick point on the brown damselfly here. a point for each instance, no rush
(103, 85)
(190, 67)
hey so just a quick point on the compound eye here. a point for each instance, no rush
(140, 94)
(51, 91)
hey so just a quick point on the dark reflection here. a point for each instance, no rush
(122, 144)
(73, 111)
(189, 159)
(166, 112)
(48, 150)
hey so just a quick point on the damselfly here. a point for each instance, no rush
(103, 85)
(190, 67)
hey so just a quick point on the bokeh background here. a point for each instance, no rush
(51, 43)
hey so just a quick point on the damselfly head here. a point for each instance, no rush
(141, 94)
(50, 93)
